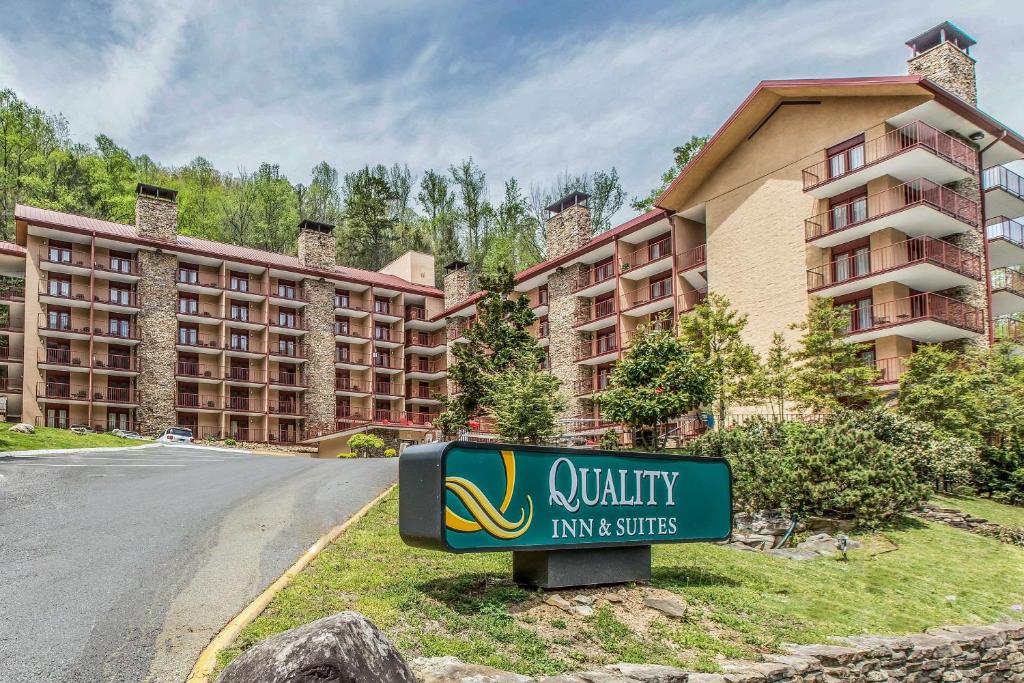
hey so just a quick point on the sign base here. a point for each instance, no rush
(582, 566)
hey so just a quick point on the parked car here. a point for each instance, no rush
(176, 435)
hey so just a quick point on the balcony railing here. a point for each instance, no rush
(289, 351)
(346, 302)
(584, 387)
(694, 258)
(62, 390)
(244, 316)
(117, 395)
(1009, 329)
(10, 385)
(662, 324)
(692, 299)
(389, 362)
(427, 339)
(424, 392)
(118, 264)
(654, 251)
(661, 289)
(543, 329)
(387, 388)
(204, 401)
(382, 307)
(855, 266)
(197, 279)
(350, 384)
(12, 292)
(288, 292)
(185, 308)
(61, 357)
(920, 192)
(594, 275)
(288, 379)
(290, 323)
(1005, 228)
(403, 418)
(7, 354)
(913, 135)
(78, 256)
(890, 369)
(384, 334)
(186, 368)
(1008, 279)
(914, 308)
(238, 374)
(120, 362)
(596, 311)
(1003, 178)
(211, 341)
(346, 356)
(284, 436)
(245, 434)
(343, 329)
(415, 313)
(294, 408)
(459, 329)
(63, 289)
(598, 347)
(424, 365)
(539, 298)
(243, 286)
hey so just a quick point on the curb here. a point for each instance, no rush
(60, 451)
(208, 657)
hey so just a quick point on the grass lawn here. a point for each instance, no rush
(741, 604)
(57, 438)
(1005, 515)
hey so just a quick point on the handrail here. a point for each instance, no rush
(644, 295)
(693, 298)
(1001, 227)
(653, 251)
(917, 307)
(693, 258)
(1003, 178)
(924, 249)
(596, 311)
(1008, 279)
(891, 369)
(594, 275)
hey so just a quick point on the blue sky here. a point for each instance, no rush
(528, 89)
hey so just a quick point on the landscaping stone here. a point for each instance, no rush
(558, 601)
(613, 597)
(453, 670)
(23, 428)
(975, 525)
(341, 648)
(667, 606)
(582, 610)
(583, 600)
(826, 545)
(650, 673)
(793, 554)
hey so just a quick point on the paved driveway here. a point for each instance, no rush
(121, 565)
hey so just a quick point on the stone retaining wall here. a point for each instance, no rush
(976, 525)
(988, 654)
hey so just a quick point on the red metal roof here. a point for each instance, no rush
(203, 247)
(12, 249)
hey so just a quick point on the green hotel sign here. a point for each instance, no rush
(469, 497)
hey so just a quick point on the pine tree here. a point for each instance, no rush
(832, 373)
(774, 377)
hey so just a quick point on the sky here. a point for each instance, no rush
(528, 89)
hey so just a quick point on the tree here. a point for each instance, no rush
(321, 201)
(511, 241)
(239, 210)
(365, 444)
(438, 201)
(524, 403)
(774, 376)
(496, 342)
(832, 373)
(276, 210)
(712, 332)
(369, 225)
(603, 187)
(657, 382)
(683, 155)
(473, 212)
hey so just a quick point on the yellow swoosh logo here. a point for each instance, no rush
(485, 516)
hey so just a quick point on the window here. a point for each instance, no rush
(188, 275)
(188, 305)
(286, 318)
(603, 270)
(59, 252)
(382, 332)
(605, 341)
(342, 354)
(239, 311)
(860, 315)
(286, 347)
(542, 296)
(604, 305)
(604, 376)
(657, 248)
(239, 282)
(58, 320)
(119, 327)
(661, 287)
(286, 289)
(117, 420)
(58, 286)
(187, 335)
(119, 358)
(121, 296)
(120, 262)
(382, 359)
(239, 341)
(845, 157)
(382, 306)
(239, 370)
(341, 300)
(851, 263)
(57, 418)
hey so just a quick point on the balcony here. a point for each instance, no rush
(583, 425)
(204, 403)
(10, 385)
(116, 396)
(595, 280)
(294, 380)
(647, 261)
(415, 313)
(62, 359)
(425, 343)
(200, 315)
(287, 294)
(197, 372)
(385, 311)
(596, 315)
(424, 395)
(74, 260)
(1007, 292)
(64, 293)
(421, 368)
(589, 387)
(118, 300)
(12, 293)
(343, 358)
(289, 325)
(1009, 329)
(388, 389)
(385, 338)
(117, 268)
(244, 377)
(294, 351)
(284, 436)
(63, 391)
(911, 151)
(241, 289)
(288, 408)
(919, 207)
(693, 265)
(663, 324)
(245, 434)
(1003, 191)
(9, 355)
(457, 333)
(348, 333)
(691, 299)
(404, 419)
(347, 304)
(1005, 242)
(928, 318)
(387, 364)
(890, 370)
(64, 326)
(599, 351)
(115, 364)
(921, 263)
(200, 343)
(346, 386)
(197, 283)
(539, 301)
(653, 298)
(9, 326)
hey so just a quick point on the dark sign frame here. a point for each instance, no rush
(421, 502)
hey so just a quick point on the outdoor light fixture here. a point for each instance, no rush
(843, 544)
(976, 135)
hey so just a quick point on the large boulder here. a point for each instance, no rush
(343, 648)
(22, 427)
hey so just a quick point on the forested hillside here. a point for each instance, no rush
(380, 211)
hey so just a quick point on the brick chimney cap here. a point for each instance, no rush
(156, 192)
(947, 31)
(571, 199)
(456, 265)
(316, 226)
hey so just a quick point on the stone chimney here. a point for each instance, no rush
(568, 225)
(456, 283)
(316, 245)
(942, 55)
(156, 212)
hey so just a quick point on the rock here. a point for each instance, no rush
(558, 601)
(583, 600)
(612, 597)
(756, 541)
(23, 428)
(793, 554)
(823, 544)
(650, 673)
(582, 610)
(667, 606)
(336, 649)
(740, 546)
(453, 670)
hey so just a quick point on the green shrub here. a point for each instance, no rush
(365, 444)
(347, 455)
(816, 470)
(230, 442)
(609, 440)
(390, 452)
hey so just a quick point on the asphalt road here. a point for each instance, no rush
(121, 565)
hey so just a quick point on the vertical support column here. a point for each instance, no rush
(320, 349)
(158, 325)
(564, 342)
